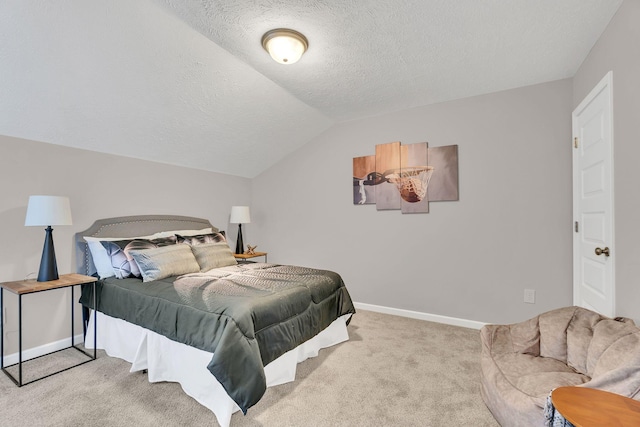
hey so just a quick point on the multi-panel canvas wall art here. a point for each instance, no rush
(364, 179)
(412, 181)
(406, 177)
(444, 183)
(387, 162)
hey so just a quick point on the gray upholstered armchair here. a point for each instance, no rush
(572, 346)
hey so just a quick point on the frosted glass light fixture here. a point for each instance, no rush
(284, 45)
(48, 211)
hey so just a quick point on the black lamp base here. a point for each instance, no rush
(239, 242)
(48, 267)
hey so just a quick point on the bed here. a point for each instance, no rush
(225, 333)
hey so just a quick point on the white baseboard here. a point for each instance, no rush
(472, 324)
(78, 339)
(32, 353)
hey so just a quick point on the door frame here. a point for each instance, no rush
(605, 84)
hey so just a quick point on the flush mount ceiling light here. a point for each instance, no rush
(284, 45)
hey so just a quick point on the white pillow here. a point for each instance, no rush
(102, 260)
(162, 234)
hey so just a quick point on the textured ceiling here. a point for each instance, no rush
(187, 82)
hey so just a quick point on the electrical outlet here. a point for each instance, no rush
(530, 296)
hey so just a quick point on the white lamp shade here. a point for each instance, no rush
(48, 210)
(240, 215)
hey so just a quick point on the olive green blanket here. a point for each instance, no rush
(246, 315)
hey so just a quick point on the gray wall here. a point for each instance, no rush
(617, 50)
(99, 186)
(470, 259)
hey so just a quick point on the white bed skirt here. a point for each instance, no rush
(167, 360)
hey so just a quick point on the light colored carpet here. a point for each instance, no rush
(393, 371)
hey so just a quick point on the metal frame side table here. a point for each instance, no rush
(24, 287)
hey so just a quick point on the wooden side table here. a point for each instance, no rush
(24, 287)
(587, 407)
(245, 257)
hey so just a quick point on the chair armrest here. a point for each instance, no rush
(523, 337)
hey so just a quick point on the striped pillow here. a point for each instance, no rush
(165, 261)
(213, 255)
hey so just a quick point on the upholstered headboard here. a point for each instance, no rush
(131, 226)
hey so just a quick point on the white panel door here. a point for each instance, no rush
(593, 250)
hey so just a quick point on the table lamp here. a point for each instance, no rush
(240, 215)
(48, 210)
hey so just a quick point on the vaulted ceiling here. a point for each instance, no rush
(187, 82)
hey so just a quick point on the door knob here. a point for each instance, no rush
(604, 251)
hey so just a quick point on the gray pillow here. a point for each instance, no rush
(165, 261)
(199, 239)
(122, 263)
(213, 255)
